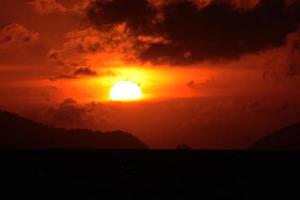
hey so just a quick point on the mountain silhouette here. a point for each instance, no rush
(19, 132)
(287, 138)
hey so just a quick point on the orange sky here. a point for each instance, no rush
(53, 53)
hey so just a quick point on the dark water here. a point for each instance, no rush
(70, 174)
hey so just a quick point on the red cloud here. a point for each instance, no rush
(48, 6)
(17, 35)
(45, 7)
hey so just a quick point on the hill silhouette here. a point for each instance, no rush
(287, 138)
(19, 132)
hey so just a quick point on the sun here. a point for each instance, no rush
(125, 91)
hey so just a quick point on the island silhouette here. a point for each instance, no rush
(287, 138)
(19, 132)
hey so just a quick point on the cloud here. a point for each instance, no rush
(20, 46)
(94, 47)
(16, 36)
(242, 5)
(245, 5)
(152, 39)
(70, 114)
(220, 30)
(191, 84)
(62, 77)
(294, 54)
(284, 62)
(46, 7)
(81, 71)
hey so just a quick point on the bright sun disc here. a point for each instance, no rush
(125, 91)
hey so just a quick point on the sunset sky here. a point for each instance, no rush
(213, 73)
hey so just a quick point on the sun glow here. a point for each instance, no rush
(125, 91)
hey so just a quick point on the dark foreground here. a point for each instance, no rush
(68, 174)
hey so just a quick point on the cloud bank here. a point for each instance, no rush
(198, 30)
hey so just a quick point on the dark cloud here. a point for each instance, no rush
(83, 71)
(71, 114)
(242, 5)
(68, 113)
(136, 13)
(191, 84)
(220, 30)
(62, 77)
(294, 57)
